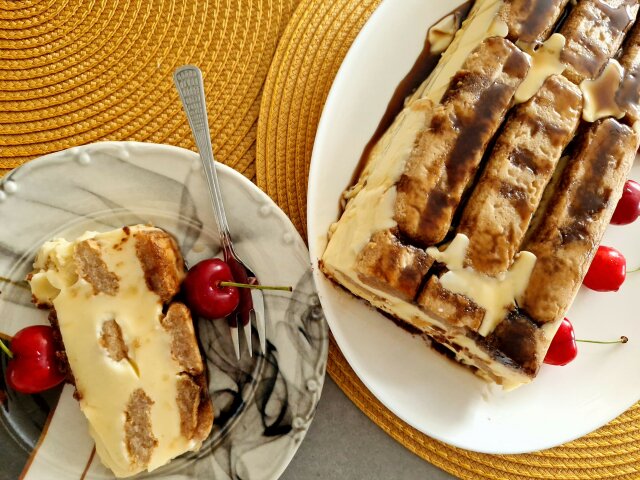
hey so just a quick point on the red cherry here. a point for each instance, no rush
(204, 294)
(607, 271)
(34, 366)
(563, 348)
(628, 208)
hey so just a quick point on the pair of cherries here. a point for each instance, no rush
(33, 366)
(607, 273)
(608, 269)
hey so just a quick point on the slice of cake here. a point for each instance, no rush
(133, 355)
(479, 211)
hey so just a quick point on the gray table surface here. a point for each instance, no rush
(343, 443)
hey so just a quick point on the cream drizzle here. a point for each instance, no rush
(497, 295)
(545, 61)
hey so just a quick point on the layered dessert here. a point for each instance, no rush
(479, 210)
(131, 350)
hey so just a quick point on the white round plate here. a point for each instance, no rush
(421, 387)
(263, 404)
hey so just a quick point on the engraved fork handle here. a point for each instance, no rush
(188, 80)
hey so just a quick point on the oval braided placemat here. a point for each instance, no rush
(79, 71)
(310, 52)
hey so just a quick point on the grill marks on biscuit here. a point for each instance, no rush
(455, 309)
(518, 169)
(569, 231)
(448, 153)
(595, 30)
(385, 263)
(518, 338)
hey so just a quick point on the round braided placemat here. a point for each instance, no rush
(310, 52)
(79, 71)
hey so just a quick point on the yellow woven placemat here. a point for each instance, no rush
(78, 71)
(310, 52)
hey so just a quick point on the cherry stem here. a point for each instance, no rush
(623, 339)
(256, 287)
(21, 284)
(634, 270)
(5, 349)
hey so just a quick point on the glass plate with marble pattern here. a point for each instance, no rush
(263, 404)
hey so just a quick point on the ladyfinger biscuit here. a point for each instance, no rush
(568, 232)
(594, 31)
(525, 155)
(531, 21)
(447, 154)
(386, 264)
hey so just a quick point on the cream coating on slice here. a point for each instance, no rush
(497, 295)
(105, 385)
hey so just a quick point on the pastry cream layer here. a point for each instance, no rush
(441, 34)
(105, 385)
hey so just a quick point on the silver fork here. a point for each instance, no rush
(188, 81)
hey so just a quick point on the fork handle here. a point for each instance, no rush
(188, 80)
